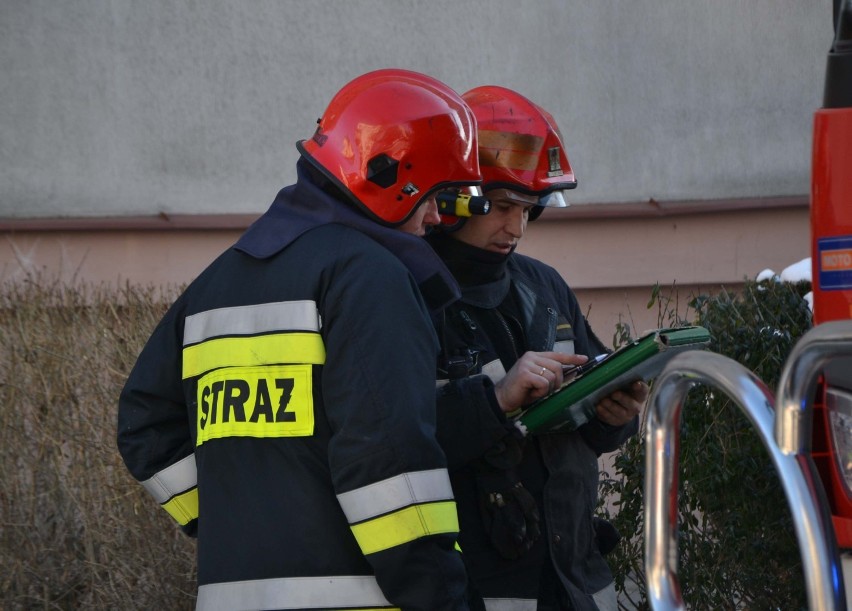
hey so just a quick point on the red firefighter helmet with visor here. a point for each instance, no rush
(520, 147)
(391, 138)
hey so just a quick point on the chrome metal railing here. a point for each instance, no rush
(804, 493)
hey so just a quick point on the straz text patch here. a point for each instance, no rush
(273, 401)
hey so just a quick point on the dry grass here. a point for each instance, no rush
(76, 531)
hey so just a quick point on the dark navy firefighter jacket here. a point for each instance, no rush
(558, 470)
(283, 410)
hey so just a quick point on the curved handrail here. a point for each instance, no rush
(815, 536)
(798, 381)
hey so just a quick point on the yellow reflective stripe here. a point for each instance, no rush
(252, 351)
(184, 507)
(251, 320)
(406, 525)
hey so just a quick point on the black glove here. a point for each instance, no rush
(509, 513)
(512, 520)
(606, 535)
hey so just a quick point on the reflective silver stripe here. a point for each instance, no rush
(606, 599)
(494, 370)
(440, 383)
(248, 320)
(292, 593)
(565, 346)
(394, 493)
(173, 480)
(510, 604)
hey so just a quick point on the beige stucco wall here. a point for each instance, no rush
(122, 107)
(611, 263)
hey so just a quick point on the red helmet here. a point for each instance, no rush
(520, 147)
(390, 138)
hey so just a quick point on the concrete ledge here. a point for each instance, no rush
(654, 208)
(201, 222)
(160, 222)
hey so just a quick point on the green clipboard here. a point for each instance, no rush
(574, 404)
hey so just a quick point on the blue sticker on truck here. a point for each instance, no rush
(835, 262)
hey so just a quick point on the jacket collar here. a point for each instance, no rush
(304, 206)
(481, 274)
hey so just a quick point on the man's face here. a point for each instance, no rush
(501, 229)
(425, 216)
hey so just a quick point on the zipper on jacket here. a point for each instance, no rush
(511, 335)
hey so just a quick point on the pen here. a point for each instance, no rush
(581, 369)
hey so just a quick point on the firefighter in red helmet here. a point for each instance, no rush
(283, 409)
(526, 502)
(389, 138)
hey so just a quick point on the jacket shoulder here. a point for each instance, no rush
(537, 271)
(329, 244)
(335, 241)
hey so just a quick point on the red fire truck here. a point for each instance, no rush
(831, 231)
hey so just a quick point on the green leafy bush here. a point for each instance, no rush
(737, 547)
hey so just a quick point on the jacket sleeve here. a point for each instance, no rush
(469, 419)
(598, 435)
(602, 437)
(154, 436)
(387, 468)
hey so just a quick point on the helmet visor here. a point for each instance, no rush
(554, 199)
